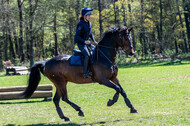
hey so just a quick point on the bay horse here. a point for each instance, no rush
(104, 69)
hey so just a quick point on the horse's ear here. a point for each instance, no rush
(130, 29)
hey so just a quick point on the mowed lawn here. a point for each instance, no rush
(159, 91)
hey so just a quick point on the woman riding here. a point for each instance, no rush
(82, 35)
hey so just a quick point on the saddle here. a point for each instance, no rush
(77, 59)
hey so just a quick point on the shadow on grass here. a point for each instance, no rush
(156, 63)
(41, 124)
(68, 124)
(19, 102)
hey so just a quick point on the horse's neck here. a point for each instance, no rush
(109, 50)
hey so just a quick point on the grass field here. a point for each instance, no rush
(160, 91)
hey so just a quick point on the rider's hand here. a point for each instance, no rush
(87, 42)
(95, 43)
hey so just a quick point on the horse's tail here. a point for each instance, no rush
(34, 78)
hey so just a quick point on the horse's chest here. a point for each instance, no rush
(101, 72)
(113, 71)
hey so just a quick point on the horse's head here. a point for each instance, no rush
(122, 38)
(124, 41)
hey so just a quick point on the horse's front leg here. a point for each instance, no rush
(116, 95)
(127, 101)
(119, 89)
(114, 100)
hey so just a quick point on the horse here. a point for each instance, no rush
(104, 68)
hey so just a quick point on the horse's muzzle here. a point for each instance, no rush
(130, 53)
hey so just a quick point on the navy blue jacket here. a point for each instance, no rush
(83, 32)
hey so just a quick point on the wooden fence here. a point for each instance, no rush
(11, 93)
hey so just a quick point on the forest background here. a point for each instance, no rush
(32, 30)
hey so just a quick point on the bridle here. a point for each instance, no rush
(126, 35)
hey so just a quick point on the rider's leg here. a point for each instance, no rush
(86, 73)
(86, 54)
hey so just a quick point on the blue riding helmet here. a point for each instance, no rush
(86, 11)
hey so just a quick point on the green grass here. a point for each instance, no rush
(159, 90)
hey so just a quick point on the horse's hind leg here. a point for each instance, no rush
(75, 106)
(56, 100)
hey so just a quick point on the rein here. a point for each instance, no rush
(104, 56)
(105, 46)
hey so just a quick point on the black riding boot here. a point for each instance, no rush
(86, 73)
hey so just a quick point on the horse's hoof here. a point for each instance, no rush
(81, 113)
(133, 110)
(66, 119)
(110, 103)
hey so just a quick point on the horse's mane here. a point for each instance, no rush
(113, 29)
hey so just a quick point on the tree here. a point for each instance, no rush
(21, 43)
(4, 30)
(116, 12)
(11, 49)
(142, 32)
(160, 29)
(172, 22)
(100, 17)
(31, 13)
(182, 26)
(131, 23)
(186, 6)
(55, 32)
(45, 28)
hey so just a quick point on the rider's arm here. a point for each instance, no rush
(91, 36)
(77, 34)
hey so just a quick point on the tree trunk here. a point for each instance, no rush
(160, 31)
(55, 34)
(71, 27)
(186, 6)
(181, 22)
(1, 53)
(21, 43)
(131, 24)
(5, 45)
(42, 44)
(100, 17)
(142, 32)
(15, 38)
(31, 34)
(173, 20)
(77, 9)
(11, 48)
(116, 12)
(1, 41)
(27, 38)
(124, 15)
(4, 29)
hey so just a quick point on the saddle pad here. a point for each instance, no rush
(76, 60)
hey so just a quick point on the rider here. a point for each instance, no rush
(82, 35)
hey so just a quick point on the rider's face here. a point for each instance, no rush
(87, 17)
